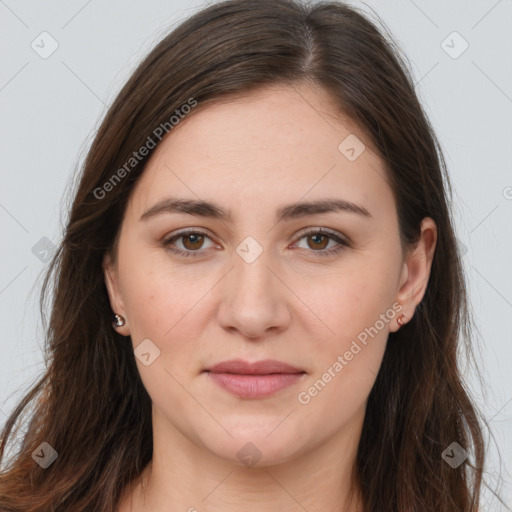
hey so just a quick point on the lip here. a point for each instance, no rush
(254, 380)
(265, 367)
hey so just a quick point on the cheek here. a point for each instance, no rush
(348, 361)
(356, 305)
(151, 289)
(170, 306)
(354, 300)
(148, 302)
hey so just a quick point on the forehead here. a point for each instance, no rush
(276, 144)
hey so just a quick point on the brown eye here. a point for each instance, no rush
(192, 241)
(319, 241)
(188, 243)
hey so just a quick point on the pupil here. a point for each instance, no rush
(317, 237)
(194, 239)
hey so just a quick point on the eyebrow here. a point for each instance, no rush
(202, 208)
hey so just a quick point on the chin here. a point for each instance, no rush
(256, 446)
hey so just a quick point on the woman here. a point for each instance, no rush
(263, 214)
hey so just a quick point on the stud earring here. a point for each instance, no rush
(401, 320)
(119, 321)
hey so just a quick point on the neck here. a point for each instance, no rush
(184, 476)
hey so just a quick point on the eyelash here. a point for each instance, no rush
(312, 231)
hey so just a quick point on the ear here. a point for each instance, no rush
(114, 295)
(416, 270)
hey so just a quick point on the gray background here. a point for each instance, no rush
(50, 108)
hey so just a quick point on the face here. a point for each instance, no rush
(313, 287)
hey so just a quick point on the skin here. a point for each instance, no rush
(252, 155)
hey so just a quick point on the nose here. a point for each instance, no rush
(254, 299)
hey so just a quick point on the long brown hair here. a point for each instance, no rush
(90, 404)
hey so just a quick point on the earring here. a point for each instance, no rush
(401, 320)
(119, 321)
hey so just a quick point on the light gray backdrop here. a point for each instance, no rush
(63, 62)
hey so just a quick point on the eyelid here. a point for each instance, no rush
(323, 231)
(339, 238)
(186, 231)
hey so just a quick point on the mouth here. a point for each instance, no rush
(254, 380)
